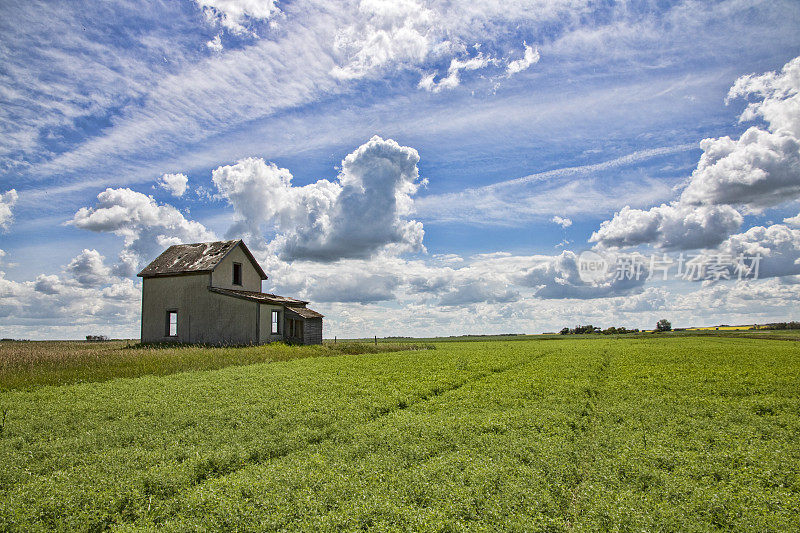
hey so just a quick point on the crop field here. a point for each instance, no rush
(667, 433)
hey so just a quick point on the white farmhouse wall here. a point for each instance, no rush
(265, 323)
(203, 316)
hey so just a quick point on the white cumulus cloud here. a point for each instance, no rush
(778, 97)
(669, 226)
(384, 32)
(174, 183)
(475, 291)
(561, 221)
(215, 44)
(147, 226)
(759, 170)
(777, 245)
(7, 201)
(234, 14)
(47, 284)
(363, 212)
(792, 221)
(89, 269)
(53, 307)
(558, 277)
(530, 57)
(355, 286)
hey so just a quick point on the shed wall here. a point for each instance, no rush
(312, 331)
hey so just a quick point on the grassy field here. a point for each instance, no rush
(786, 334)
(683, 433)
(29, 364)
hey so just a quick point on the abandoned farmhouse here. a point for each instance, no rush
(211, 293)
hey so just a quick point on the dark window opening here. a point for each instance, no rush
(296, 328)
(172, 324)
(276, 321)
(237, 273)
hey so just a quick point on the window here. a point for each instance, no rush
(295, 328)
(172, 323)
(276, 321)
(237, 273)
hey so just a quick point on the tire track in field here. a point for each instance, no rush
(584, 437)
(439, 391)
(473, 380)
(387, 410)
(208, 469)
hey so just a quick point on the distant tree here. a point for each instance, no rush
(782, 325)
(663, 325)
(564, 331)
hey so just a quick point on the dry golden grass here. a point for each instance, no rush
(15, 354)
(25, 364)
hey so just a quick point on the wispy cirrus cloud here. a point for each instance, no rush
(568, 190)
(312, 54)
(74, 69)
(453, 79)
(216, 94)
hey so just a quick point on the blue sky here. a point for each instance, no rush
(491, 119)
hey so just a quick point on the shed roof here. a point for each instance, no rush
(195, 258)
(262, 297)
(305, 312)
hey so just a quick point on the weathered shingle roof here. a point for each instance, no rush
(263, 297)
(197, 257)
(305, 312)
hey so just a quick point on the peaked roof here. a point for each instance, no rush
(195, 258)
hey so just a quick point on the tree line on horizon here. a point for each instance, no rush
(661, 325)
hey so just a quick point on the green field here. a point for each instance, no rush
(683, 433)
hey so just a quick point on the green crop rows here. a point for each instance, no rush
(641, 434)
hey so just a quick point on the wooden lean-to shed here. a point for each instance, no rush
(210, 293)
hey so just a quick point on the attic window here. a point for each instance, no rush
(237, 273)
